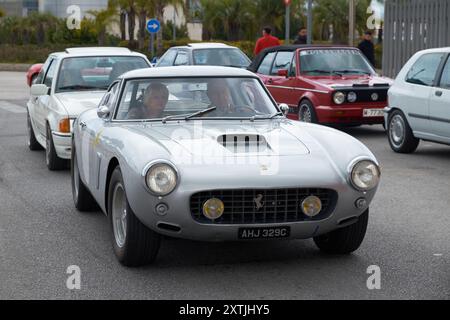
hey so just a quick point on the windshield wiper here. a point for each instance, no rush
(188, 116)
(352, 71)
(80, 87)
(253, 118)
(322, 71)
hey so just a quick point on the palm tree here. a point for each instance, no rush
(2, 13)
(102, 20)
(145, 8)
(159, 6)
(126, 8)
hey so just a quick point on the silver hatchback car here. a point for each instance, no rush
(419, 101)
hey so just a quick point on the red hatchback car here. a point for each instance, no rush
(324, 84)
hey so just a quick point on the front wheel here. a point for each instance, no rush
(344, 240)
(51, 158)
(306, 112)
(401, 138)
(134, 244)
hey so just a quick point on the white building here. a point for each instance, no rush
(59, 7)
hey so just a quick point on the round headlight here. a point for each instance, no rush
(365, 175)
(161, 179)
(339, 97)
(311, 206)
(213, 208)
(351, 97)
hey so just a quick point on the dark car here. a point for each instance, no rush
(324, 84)
(204, 54)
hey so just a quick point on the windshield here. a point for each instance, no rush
(228, 57)
(333, 62)
(188, 98)
(94, 73)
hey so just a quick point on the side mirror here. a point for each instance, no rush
(39, 90)
(284, 108)
(282, 73)
(103, 112)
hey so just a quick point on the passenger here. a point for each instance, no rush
(154, 102)
(220, 96)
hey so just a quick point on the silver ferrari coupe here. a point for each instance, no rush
(205, 153)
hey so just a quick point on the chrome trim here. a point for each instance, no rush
(351, 167)
(151, 164)
(295, 88)
(60, 134)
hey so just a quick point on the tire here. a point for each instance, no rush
(82, 198)
(51, 158)
(400, 135)
(306, 112)
(33, 144)
(344, 240)
(138, 245)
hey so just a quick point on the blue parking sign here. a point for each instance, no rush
(153, 26)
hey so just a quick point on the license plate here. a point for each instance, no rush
(373, 112)
(264, 233)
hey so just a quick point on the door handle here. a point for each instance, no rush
(82, 125)
(438, 93)
(270, 80)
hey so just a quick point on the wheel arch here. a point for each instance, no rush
(113, 163)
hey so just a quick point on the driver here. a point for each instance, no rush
(220, 96)
(155, 99)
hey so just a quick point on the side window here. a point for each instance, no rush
(182, 59)
(48, 80)
(282, 61)
(423, 72)
(110, 97)
(264, 67)
(445, 77)
(167, 58)
(293, 70)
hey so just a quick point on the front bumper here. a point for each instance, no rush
(348, 114)
(63, 144)
(178, 221)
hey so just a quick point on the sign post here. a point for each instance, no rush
(153, 27)
(287, 4)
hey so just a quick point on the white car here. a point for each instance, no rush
(419, 101)
(69, 83)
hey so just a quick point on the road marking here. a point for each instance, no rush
(11, 107)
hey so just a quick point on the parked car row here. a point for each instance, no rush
(197, 150)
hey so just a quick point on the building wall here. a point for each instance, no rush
(59, 7)
(19, 8)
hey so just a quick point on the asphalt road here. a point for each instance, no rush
(41, 234)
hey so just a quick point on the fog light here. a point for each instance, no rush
(161, 209)
(311, 206)
(213, 208)
(361, 203)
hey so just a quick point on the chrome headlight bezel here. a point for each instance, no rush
(336, 96)
(357, 164)
(153, 166)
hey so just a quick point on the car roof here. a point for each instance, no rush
(435, 50)
(257, 60)
(188, 71)
(97, 51)
(205, 45)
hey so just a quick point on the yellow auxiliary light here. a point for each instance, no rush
(213, 208)
(311, 206)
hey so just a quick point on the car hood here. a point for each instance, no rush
(349, 81)
(224, 139)
(77, 102)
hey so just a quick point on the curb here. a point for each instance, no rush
(14, 67)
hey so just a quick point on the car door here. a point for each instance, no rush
(282, 87)
(440, 104)
(41, 110)
(264, 68)
(415, 95)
